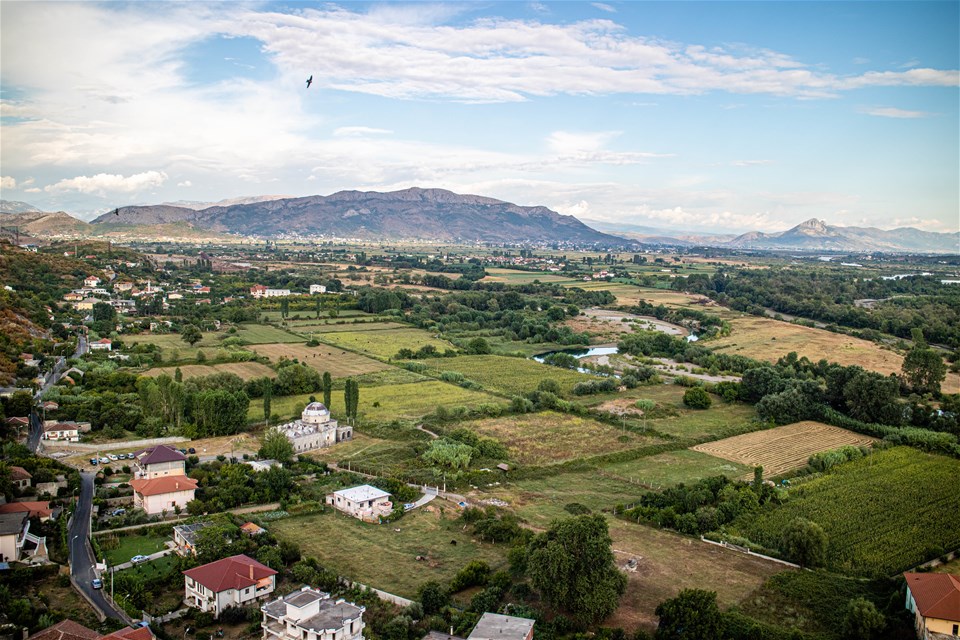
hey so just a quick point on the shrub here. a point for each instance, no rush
(697, 398)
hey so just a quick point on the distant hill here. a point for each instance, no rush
(817, 235)
(197, 205)
(425, 214)
(15, 206)
(40, 223)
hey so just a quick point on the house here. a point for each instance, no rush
(314, 429)
(91, 281)
(200, 289)
(493, 626)
(20, 477)
(260, 291)
(185, 537)
(61, 431)
(252, 529)
(364, 502)
(104, 344)
(66, 630)
(73, 296)
(163, 494)
(13, 529)
(82, 427)
(161, 460)
(311, 614)
(123, 286)
(174, 295)
(86, 304)
(131, 633)
(263, 465)
(39, 510)
(229, 582)
(317, 288)
(934, 600)
(49, 405)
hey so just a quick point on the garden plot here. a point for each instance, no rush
(338, 362)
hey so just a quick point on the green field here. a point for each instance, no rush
(385, 556)
(409, 401)
(511, 276)
(129, 546)
(384, 343)
(173, 348)
(324, 358)
(548, 437)
(672, 417)
(506, 375)
(884, 513)
(352, 327)
(674, 467)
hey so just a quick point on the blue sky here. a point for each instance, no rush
(718, 116)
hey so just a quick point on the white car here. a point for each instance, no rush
(104, 460)
(112, 457)
(138, 559)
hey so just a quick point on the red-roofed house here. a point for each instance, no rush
(131, 633)
(230, 582)
(39, 510)
(104, 344)
(20, 477)
(66, 630)
(159, 461)
(163, 494)
(934, 600)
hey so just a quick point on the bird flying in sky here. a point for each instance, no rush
(309, 81)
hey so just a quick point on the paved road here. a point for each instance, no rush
(36, 429)
(81, 558)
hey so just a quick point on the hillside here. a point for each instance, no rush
(426, 214)
(15, 206)
(39, 223)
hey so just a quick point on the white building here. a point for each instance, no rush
(229, 582)
(260, 291)
(315, 429)
(364, 502)
(317, 288)
(104, 344)
(61, 431)
(163, 494)
(311, 614)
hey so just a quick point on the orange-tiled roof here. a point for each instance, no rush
(66, 630)
(131, 633)
(251, 528)
(36, 509)
(937, 594)
(19, 473)
(166, 484)
(235, 572)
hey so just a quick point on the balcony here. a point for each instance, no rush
(274, 628)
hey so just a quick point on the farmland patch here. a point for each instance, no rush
(783, 449)
(246, 370)
(508, 375)
(338, 362)
(385, 343)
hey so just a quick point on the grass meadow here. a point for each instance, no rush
(385, 342)
(508, 375)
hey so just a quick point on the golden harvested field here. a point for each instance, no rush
(784, 448)
(548, 437)
(769, 339)
(246, 370)
(338, 362)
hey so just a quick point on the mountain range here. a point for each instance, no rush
(424, 214)
(440, 215)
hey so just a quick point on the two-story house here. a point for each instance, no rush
(230, 582)
(364, 502)
(311, 614)
(156, 462)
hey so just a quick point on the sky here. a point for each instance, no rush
(703, 116)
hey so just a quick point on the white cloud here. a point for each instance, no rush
(7, 182)
(566, 142)
(750, 163)
(341, 132)
(893, 112)
(103, 183)
(580, 209)
(185, 183)
(34, 190)
(603, 7)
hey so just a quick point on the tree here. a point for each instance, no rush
(572, 566)
(862, 620)
(351, 397)
(692, 615)
(178, 375)
(804, 542)
(478, 347)
(872, 397)
(433, 597)
(327, 386)
(267, 397)
(191, 334)
(923, 368)
(276, 446)
(284, 307)
(697, 398)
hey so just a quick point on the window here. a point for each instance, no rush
(956, 629)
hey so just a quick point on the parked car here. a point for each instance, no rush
(112, 457)
(94, 461)
(183, 451)
(118, 512)
(104, 460)
(96, 583)
(139, 559)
